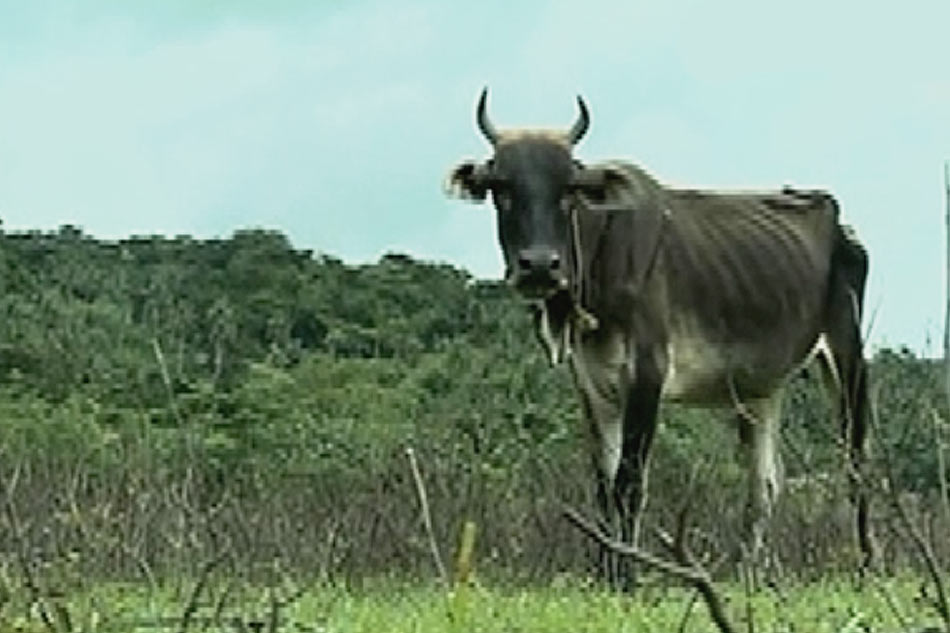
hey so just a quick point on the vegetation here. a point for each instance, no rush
(169, 406)
(558, 607)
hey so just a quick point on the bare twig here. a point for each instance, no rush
(176, 413)
(946, 318)
(330, 545)
(686, 568)
(872, 321)
(191, 607)
(646, 558)
(687, 612)
(91, 537)
(938, 425)
(26, 567)
(940, 603)
(221, 604)
(946, 339)
(166, 380)
(426, 517)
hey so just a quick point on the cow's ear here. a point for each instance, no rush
(468, 181)
(596, 181)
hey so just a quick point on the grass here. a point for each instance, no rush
(564, 605)
(818, 608)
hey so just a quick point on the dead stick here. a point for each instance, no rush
(946, 318)
(686, 569)
(191, 607)
(26, 566)
(925, 551)
(938, 426)
(426, 517)
(946, 338)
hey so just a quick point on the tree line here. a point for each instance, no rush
(286, 385)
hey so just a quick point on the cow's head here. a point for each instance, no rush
(532, 178)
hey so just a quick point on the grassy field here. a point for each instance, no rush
(833, 606)
(562, 606)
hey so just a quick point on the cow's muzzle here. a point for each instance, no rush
(538, 273)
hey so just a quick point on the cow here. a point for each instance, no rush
(653, 293)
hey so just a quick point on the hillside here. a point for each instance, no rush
(166, 378)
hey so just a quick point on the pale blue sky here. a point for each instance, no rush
(336, 122)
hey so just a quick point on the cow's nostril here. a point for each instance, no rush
(538, 261)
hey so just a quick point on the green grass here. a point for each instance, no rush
(562, 606)
(818, 608)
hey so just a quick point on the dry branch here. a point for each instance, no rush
(167, 381)
(938, 426)
(686, 567)
(191, 607)
(946, 318)
(426, 517)
(946, 340)
(26, 566)
(941, 603)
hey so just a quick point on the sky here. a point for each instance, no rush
(336, 122)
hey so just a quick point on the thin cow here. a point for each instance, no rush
(656, 293)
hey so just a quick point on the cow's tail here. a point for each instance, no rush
(848, 368)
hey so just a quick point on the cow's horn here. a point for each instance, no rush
(484, 124)
(581, 124)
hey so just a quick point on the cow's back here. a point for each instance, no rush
(745, 281)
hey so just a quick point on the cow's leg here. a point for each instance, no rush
(597, 382)
(639, 427)
(604, 436)
(759, 427)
